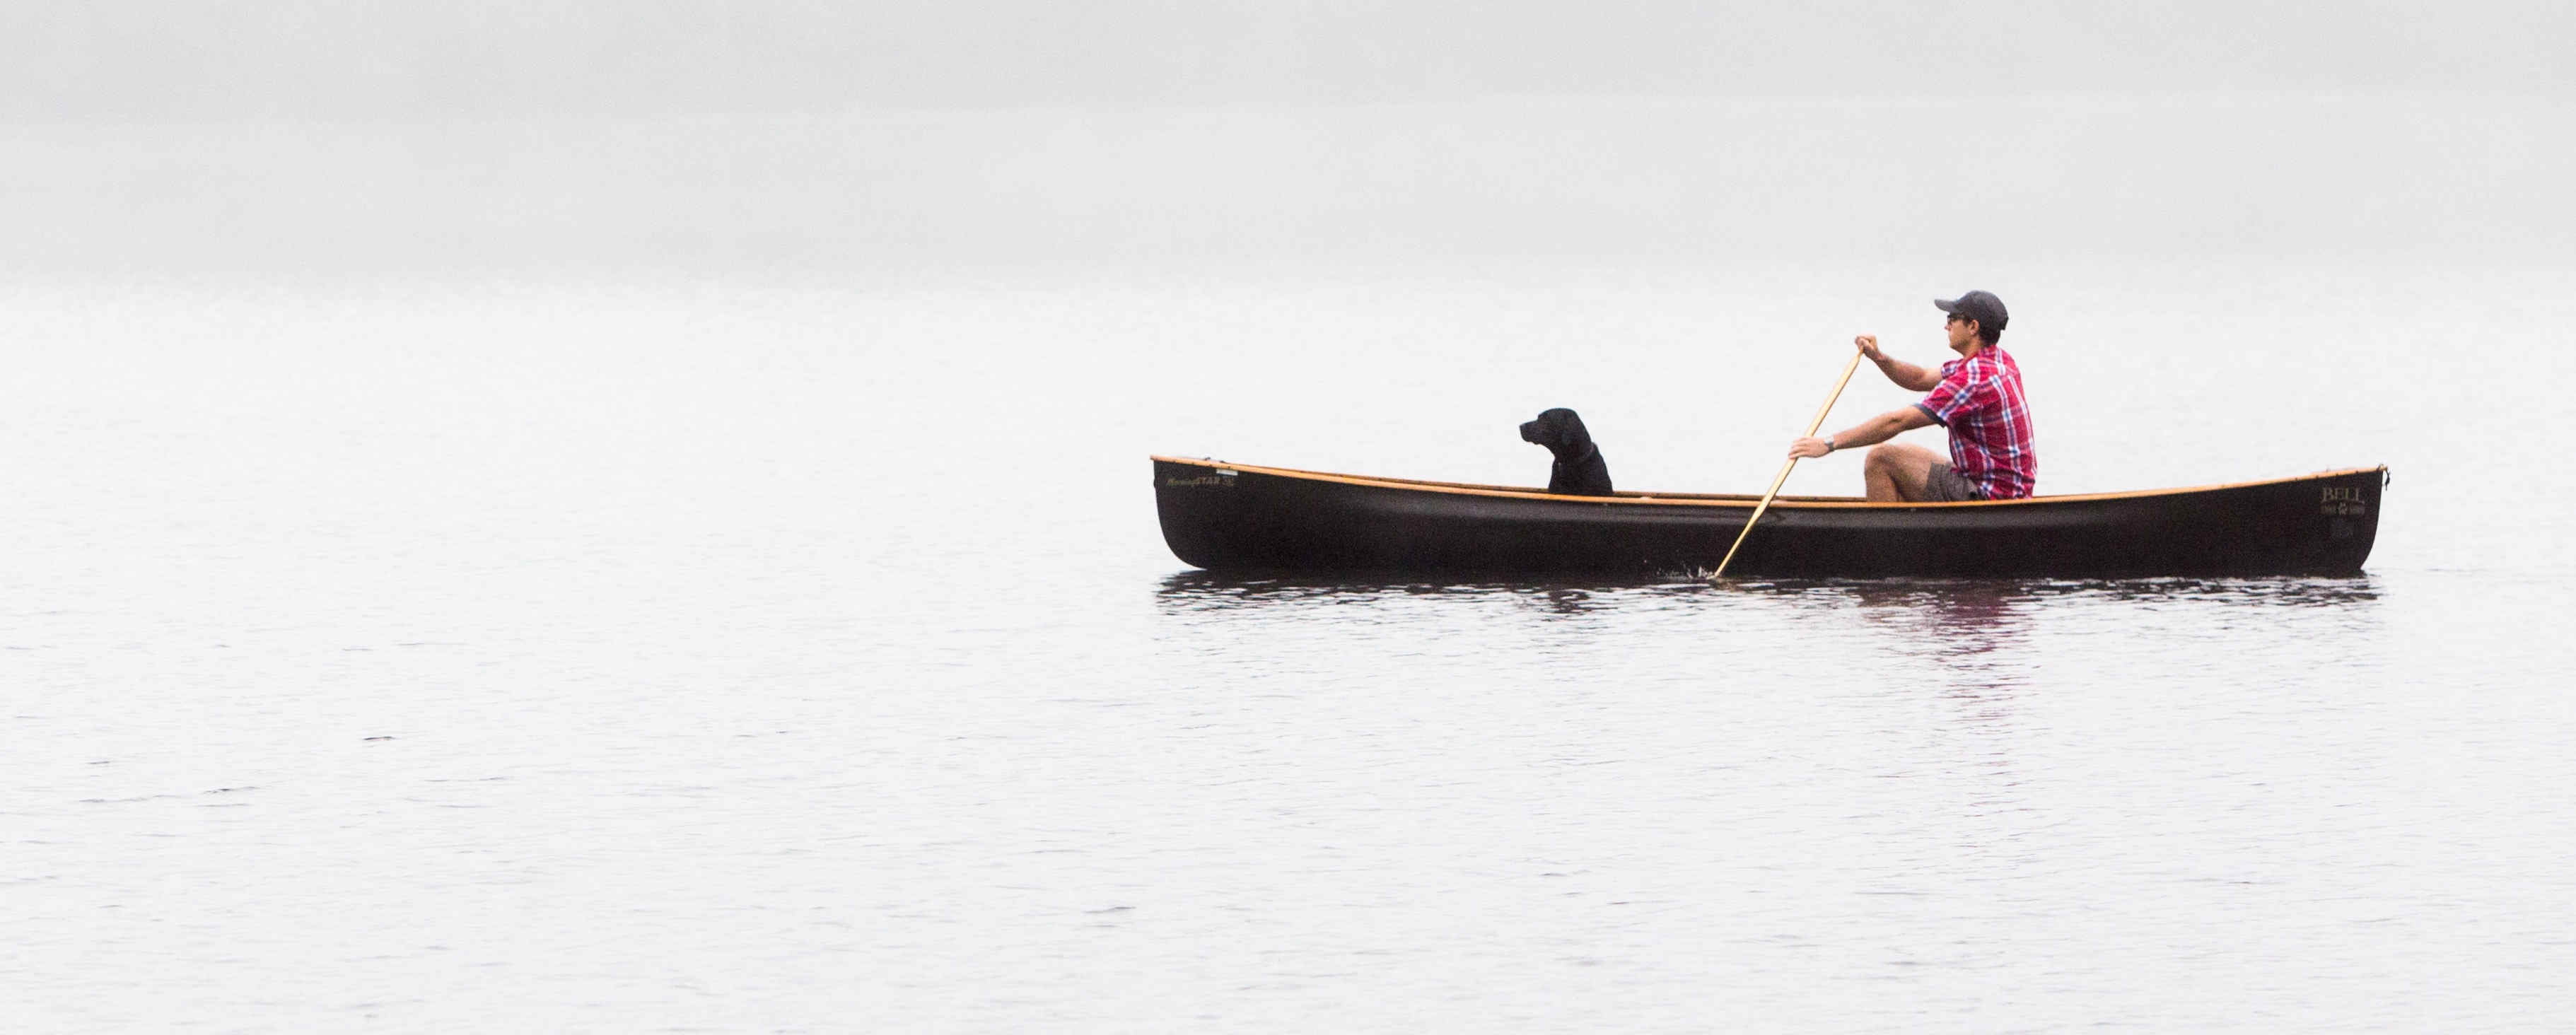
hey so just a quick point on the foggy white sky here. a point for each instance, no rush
(302, 134)
(341, 59)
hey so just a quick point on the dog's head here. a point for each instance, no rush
(1561, 432)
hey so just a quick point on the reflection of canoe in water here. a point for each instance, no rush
(1234, 517)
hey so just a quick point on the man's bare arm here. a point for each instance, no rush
(1866, 433)
(1906, 375)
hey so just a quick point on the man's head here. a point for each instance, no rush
(1977, 313)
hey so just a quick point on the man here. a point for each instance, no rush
(1977, 396)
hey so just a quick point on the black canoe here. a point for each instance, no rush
(1243, 518)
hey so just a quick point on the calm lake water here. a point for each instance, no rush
(750, 654)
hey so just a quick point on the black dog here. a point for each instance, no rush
(1579, 470)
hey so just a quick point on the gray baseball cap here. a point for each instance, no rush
(1981, 306)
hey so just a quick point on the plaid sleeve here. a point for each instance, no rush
(1956, 394)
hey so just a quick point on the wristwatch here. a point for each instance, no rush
(1829, 444)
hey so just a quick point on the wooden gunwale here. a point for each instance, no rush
(1725, 500)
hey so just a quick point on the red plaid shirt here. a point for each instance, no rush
(1979, 399)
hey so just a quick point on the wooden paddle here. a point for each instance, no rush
(1812, 425)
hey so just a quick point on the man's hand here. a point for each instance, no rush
(1869, 347)
(1810, 447)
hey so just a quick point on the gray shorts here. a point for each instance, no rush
(1946, 486)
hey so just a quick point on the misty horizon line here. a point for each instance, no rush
(1891, 99)
(1679, 178)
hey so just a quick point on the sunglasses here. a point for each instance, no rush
(1954, 318)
